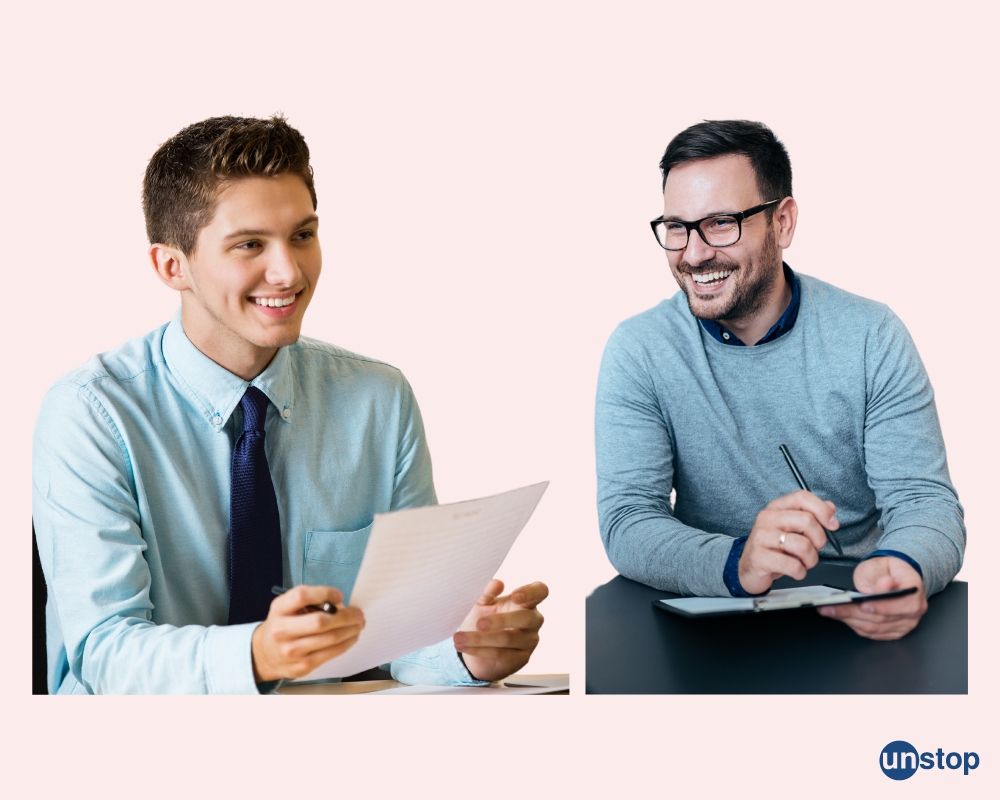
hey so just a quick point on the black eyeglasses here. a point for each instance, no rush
(718, 230)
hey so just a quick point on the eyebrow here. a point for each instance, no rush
(260, 232)
(675, 218)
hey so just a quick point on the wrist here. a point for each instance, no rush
(260, 674)
(735, 576)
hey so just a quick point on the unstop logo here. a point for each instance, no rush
(899, 760)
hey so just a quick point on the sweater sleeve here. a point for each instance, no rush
(905, 458)
(635, 476)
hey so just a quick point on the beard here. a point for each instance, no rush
(755, 279)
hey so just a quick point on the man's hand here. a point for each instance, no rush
(883, 619)
(785, 540)
(293, 641)
(499, 634)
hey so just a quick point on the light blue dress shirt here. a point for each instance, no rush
(131, 483)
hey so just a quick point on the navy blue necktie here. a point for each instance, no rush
(254, 527)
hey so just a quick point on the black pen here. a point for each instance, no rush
(803, 485)
(326, 608)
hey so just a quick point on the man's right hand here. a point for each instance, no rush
(785, 540)
(292, 641)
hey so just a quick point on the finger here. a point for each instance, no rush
(852, 611)
(885, 632)
(795, 544)
(490, 593)
(801, 522)
(298, 597)
(778, 563)
(305, 646)
(525, 619)
(298, 625)
(897, 606)
(511, 658)
(500, 640)
(303, 666)
(824, 511)
(531, 595)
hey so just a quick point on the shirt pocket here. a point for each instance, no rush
(332, 558)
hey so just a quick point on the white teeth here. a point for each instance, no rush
(274, 302)
(708, 277)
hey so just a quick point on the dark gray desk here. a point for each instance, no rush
(633, 648)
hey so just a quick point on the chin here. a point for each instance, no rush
(715, 309)
(278, 338)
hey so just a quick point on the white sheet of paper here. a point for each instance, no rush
(423, 570)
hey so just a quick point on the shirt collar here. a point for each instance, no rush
(784, 324)
(215, 390)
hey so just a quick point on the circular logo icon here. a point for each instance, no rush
(898, 760)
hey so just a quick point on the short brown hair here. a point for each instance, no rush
(184, 175)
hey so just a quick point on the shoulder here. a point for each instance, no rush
(335, 367)
(666, 328)
(81, 410)
(112, 372)
(835, 305)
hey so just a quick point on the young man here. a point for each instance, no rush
(697, 394)
(177, 479)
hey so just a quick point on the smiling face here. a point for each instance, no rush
(246, 284)
(737, 284)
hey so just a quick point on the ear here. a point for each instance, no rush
(170, 266)
(785, 218)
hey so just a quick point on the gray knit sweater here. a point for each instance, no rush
(844, 389)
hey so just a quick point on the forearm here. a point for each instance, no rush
(648, 544)
(130, 656)
(934, 538)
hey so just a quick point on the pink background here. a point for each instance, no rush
(485, 176)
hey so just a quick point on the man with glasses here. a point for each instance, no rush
(697, 396)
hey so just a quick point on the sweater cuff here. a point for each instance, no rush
(731, 572)
(896, 554)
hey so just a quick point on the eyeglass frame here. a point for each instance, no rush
(739, 216)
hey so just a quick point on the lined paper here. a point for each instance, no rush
(424, 569)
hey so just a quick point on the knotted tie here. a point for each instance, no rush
(254, 527)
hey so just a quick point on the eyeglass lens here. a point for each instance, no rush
(716, 231)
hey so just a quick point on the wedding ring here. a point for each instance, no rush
(781, 541)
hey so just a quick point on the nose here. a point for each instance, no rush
(697, 252)
(283, 267)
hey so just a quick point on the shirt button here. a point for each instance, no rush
(217, 419)
(725, 335)
(286, 413)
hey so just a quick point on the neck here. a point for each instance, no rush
(226, 349)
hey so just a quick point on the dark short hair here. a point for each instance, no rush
(754, 140)
(185, 174)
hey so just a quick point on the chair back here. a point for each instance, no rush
(39, 595)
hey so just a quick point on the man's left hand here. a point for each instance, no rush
(883, 619)
(499, 634)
